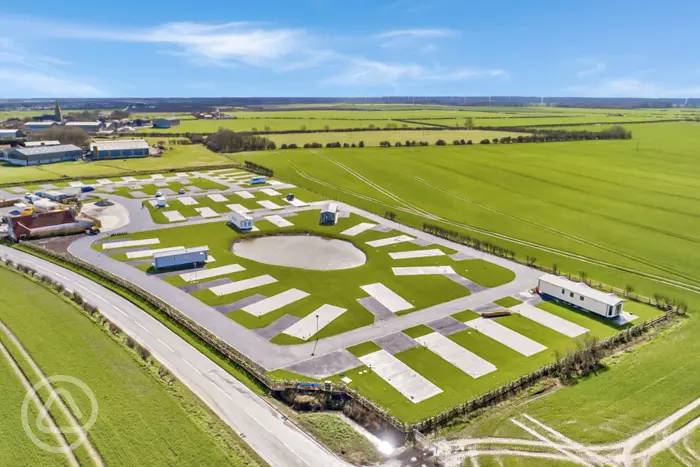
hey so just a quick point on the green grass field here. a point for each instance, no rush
(340, 288)
(141, 419)
(179, 157)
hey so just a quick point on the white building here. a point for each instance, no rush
(119, 148)
(580, 295)
(34, 144)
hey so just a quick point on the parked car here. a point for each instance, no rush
(86, 189)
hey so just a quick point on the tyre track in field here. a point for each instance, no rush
(573, 237)
(567, 254)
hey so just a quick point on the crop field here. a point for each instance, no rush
(603, 206)
(163, 423)
(339, 287)
(178, 157)
(373, 138)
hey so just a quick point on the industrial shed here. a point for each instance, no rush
(89, 127)
(119, 149)
(43, 154)
(11, 134)
(39, 126)
(580, 295)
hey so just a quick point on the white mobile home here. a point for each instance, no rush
(193, 257)
(580, 295)
(241, 221)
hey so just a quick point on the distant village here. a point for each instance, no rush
(37, 141)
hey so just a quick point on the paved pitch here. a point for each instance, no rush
(423, 270)
(148, 253)
(244, 284)
(275, 302)
(387, 297)
(270, 192)
(217, 198)
(174, 216)
(358, 229)
(549, 320)
(269, 204)
(296, 202)
(506, 336)
(212, 272)
(207, 212)
(314, 321)
(390, 241)
(279, 221)
(130, 243)
(449, 350)
(412, 385)
(188, 201)
(238, 208)
(245, 194)
(416, 254)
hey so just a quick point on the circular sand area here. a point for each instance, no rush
(301, 251)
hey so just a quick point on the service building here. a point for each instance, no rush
(43, 154)
(119, 149)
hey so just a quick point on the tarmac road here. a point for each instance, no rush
(267, 431)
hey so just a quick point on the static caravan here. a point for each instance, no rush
(161, 201)
(579, 295)
(258, 180)
(193, 257)
(329, 214)
(241, 221)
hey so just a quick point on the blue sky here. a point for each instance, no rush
(160, 48)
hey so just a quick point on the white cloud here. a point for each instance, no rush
(633, 87)
(416, 33)
(30, 83)
(590, 67)
(364, 72)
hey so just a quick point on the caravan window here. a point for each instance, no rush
(571, 294)
(563, 291)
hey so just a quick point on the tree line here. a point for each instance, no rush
(229, 141)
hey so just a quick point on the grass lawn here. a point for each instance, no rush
(485, 273)
(365, 348)
(466, 315)
(180, 157)
(339, 288)
(507, 302)
(417, 331)
(340, 437)
(141, 419)
(151, 188)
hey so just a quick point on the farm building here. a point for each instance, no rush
(44, 154)
(90, 127)
(11, 134)
(54, 195)
(34, 127)
(241, 221)
(164, 123)
(46, 224)
(580, 295)
(329, 214)
(193, 257)
(119, 149)
(34, 144)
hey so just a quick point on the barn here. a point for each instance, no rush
(43, 154)
(119, 149)
(164, 123)
(89, 127)
(579, 295)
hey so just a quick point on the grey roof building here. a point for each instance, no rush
(43, 154)
(119, 149)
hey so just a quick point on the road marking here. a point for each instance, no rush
(192, 366)
(141, 326)
(165, 345)
(119, 310)
(228, 396)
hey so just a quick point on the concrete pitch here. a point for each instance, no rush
(326, 365)
(549, 320)
(422, 242)
(201, 274)
(423, 270)
(379, 311)
(174, 216)
(395, 343)
(461, 256)
(447, 325)
(130, 243)
(238, 208)
(238, 304)
(389, 241)
(296, 202)
(148, 253)
(387, 297)
(416, 254)
(244, 284)
(275, 302)
(506, 336)
(463, 281)
(207, 212)
(410, 384)
(277, 326)
(449, 350)
(218, 198)
(270, 192)
(269, 204)
(358, 229)
(314, 321)
(204, 285)
(245, 194)
(279, 221)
